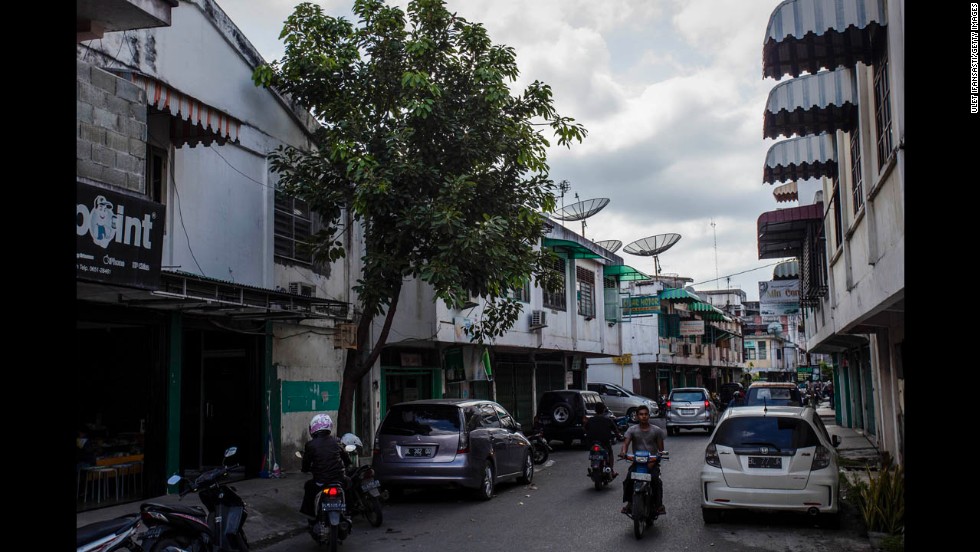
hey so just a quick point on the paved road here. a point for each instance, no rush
(562, 511)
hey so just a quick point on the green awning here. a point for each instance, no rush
(708, 311)
(570, 249)
(625, 273)
(679, 294)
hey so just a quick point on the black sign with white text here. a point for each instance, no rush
(119, 238)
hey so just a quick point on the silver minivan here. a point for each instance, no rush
(622, 402)
(690, 408)
(470, 443)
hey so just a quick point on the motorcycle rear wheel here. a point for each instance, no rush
(639, 514)
(597, 479)
(334, 538)
(540, 455)
(373, 511)
(169, 541)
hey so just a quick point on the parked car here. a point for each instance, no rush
(690, 408)
(727, 390)
(774, 393)
(562, 413)
(622, 402)
(773, 458)
(450, 442)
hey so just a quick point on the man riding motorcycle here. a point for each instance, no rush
(602, 429)
(324, 456)
(643, 436)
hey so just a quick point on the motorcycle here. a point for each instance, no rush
(539, 447)
(332, 522)
(644, 507)
(623, 423)
(109, 535)
(176, 528)
(600, 465)
(366, 490)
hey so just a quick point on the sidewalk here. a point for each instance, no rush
(273, 504)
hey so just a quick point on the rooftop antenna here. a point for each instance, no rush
(717, 283)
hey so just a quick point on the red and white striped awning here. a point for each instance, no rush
(196, 121)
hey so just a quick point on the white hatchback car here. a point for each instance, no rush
(777, 458)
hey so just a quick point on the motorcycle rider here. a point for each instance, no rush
(649, 437)
(323, 456)
(602, 429)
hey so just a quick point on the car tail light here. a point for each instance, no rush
(668, 405)
(376, 450)
(821, 458)
(464, 443)
(707, 404)
(711, 456)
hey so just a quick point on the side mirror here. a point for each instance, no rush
(230, 451)
(349, 448)
(174, 479)
(299, 454)
(835, 440)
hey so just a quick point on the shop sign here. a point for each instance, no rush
(691, 327)
(119, 238)
(779, 297)
(641, 304)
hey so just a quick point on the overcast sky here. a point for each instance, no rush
(672, 94)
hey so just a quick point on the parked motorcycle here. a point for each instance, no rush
(109, 535)
(600, 465)
(539, 447)
(645, 474)
(176, 528)
(366, 490)
(332, 522)
(622, 424)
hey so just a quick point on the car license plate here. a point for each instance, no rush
(687, 411)
(641, 476)
(767, 462)
(419, 452)
(374, 484)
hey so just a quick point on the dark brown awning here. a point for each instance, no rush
(782, 232)
(809, 35)
(812, 104)
(800, 159)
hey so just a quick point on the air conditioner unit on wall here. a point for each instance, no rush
(539, 319)
(300, 288)
(698, 350)
(672, 348)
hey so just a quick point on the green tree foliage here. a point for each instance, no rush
(424, 145)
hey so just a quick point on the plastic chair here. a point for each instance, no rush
(98, 478)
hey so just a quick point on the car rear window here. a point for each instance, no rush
(692, 396)
(428, 419)
(773, 431)
(773, 396)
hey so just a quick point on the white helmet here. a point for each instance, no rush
(320, 422)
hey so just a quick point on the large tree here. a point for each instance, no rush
(423, 143)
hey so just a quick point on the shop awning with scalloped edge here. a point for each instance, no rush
(812, 104)
(801, 158)
(707, 311)
(678, 294)
(194, 122)
(782, 232)
(786, 192)
(809, 35)
(625, 273)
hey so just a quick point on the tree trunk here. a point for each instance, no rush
(359, 362)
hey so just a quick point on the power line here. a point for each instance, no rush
(737, 273)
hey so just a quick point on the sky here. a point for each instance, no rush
(672, 94)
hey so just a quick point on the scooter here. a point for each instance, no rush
(175, 528)
(539, 447)
(332, 522)
(600, 466)
(365, 489)
(645, 474)
(109, 535)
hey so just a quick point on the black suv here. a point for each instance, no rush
(562, 413)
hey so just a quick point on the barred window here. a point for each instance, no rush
(762, 350)
(556, 299)
(838, 224)
(293, 228)
(857, 178)
(522, 294)
(585, 291)
(883, 113)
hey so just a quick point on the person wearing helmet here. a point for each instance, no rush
(325, 458)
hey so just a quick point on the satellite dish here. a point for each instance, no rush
(774, 328)
(611, 245)
(652, 247)
(582, 210)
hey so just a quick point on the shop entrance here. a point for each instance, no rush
(401, 385)
(224, 391)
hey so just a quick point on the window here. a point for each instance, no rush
(585, 291)
(293, 228)
(522, 294)
(838, 224)
(857, 178)
(156, 183)
(556, 299)
(762, 350)
(749, 353)
(883, 113)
